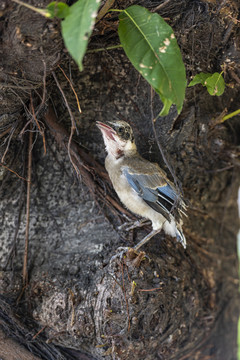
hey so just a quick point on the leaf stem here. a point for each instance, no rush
(229, 116)
(116, 10)
(43, 12)
(103, 49)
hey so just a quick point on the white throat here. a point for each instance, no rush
(118, 148)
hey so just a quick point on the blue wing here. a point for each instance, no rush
(156, 192)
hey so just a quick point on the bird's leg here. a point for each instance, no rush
(123, 250)
(120, 254)
(133, 225)
(146, 239)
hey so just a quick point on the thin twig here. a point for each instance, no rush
(73, 127)
(146, 290)
(39, 127)
(39, 332)
(125, 295)
(8, 143)
(113, 202)
(43, 99)
(161, 5)
(220, 170)
(5, 132)
(72, 297)
(14, 172)
(178, 186)
(25, 261)
(78, 103)
(24, 128)
(113, 47)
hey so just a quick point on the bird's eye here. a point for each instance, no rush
(121, 130)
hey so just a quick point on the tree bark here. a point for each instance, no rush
(78, 303)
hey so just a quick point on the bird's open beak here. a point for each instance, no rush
(106, 129)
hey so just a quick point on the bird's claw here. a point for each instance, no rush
(121, 251)
(131, 255)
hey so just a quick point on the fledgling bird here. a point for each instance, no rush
(141, 185)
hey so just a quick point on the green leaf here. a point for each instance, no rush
(58, 9)
(166, 105)
(199, 79)
(77, 27)
(151, 46)
(215, 84)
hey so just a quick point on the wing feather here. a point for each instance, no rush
(157, 192)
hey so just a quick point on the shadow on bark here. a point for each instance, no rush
(172, 304)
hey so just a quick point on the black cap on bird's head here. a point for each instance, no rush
(123, 129)
(118, 136)
(118, 127)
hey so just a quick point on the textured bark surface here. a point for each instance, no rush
(11, 350)
(173, 304)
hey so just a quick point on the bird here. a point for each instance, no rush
(142, 186)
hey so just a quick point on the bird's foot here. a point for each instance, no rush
(133, 225)
(130, 254)
(121, 252)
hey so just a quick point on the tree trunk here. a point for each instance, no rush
(75, 301)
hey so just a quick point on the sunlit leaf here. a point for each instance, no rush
(151, 46)
(77, 27)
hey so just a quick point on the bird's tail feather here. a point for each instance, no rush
(180, 237)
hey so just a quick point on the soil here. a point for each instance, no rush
(78, 302)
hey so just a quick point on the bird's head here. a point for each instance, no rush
(118, 138)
